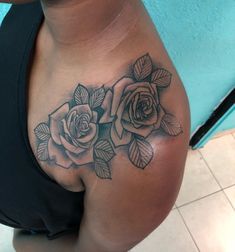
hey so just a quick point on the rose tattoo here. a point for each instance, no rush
(135, 107)
(75, 130)
(89, 128)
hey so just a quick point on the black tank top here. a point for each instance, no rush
(29, 198)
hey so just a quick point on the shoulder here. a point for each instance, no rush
(140, 151)
(131, 128)
(141, 123)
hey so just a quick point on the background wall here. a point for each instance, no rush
(3, 9)
(199, 36)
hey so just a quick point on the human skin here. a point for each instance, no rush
(112, 222)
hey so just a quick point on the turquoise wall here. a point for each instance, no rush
(3, 10)
(199, 36)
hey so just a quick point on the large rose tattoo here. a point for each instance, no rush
(87, 129)
(73, 133)
(133, 107)
(70, 135)
(72, 130)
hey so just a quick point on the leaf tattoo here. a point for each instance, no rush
(104, 150)
(161, 77)
(142, 67)
(102, 169)
(42, 151)
(170, 125)
(96, 123)
(97, 97)
(140, 152)
(103, 153)
(81, 95)
(42, 131)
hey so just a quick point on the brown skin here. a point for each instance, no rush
(119, 213)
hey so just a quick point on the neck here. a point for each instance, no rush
(86, 28)
(75, 22)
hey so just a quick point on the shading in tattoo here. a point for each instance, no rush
(95, 123)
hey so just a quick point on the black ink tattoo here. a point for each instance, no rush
(89, 128)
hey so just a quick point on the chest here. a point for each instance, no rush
(43, 96)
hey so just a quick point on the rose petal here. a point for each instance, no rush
(72, 129)
(156, 92)
(83, 158)
(132, 109)
(143, 131)
(119, 114)
(94, 117)
(90, 135)
(55, 121)
(60, 113)
(57, 153)
(106, 106)
(117, 141)
(118, 93)
(133, 104)
(68, 146)
(139, 85)
(125, 116)
(69, 118)
(119, 127)
(81, 109)
(65, 127)
(161, 113)
(150, 120)
(141, 91)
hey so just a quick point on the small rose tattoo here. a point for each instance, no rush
(97, 122)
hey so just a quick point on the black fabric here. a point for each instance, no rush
(29, 198)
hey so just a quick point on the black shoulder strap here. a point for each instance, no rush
(21, 14)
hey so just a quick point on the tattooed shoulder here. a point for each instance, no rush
(96, 123)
